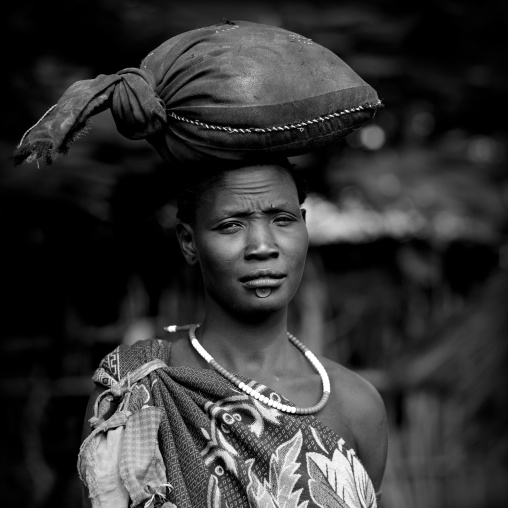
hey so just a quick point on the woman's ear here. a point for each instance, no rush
(304, 214)
(185, 235)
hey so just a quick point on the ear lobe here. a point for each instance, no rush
(185, 235)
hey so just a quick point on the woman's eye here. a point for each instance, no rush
(284, 220)
(229, 227)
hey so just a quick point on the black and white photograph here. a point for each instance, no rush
(254, 254)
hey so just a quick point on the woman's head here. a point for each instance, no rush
(247, 232)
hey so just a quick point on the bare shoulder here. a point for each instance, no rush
(355, 393)
(363, 410)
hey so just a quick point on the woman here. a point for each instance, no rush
(233, 411)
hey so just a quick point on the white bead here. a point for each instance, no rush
(256, 395)
(241, 385)
(201, 350)
(293, 410)
(170, 328)
(248, 390)
(278, 405)
(321, 370)
(284, 408)
(269, 402)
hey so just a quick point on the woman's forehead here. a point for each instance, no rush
(252, 182)
(247, 190)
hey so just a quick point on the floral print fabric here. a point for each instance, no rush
(222, 448)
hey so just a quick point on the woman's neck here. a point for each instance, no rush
(247, 347)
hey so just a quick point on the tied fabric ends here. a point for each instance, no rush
(120, 461)
(137, 111)
(121, 465)
(159, 494)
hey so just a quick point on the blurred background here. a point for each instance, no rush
(407, 275)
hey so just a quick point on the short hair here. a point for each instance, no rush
(196, 179)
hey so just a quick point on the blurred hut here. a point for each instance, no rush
(451, 448)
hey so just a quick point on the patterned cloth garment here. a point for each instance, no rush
(188, 438)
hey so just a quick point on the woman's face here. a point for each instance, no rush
(250, 240)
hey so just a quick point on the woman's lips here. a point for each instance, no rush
(264, 282)
(263, 279)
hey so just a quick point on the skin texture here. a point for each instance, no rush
(251, 219)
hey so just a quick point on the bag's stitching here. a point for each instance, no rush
(227, 29)
(300, 126)
(301, 38)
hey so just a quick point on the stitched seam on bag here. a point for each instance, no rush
(234, 27)
(300, 38)
(300, 126)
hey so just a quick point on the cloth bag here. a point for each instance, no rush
(233, 91)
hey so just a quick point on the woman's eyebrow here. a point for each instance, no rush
(234, 212)
(242, 212)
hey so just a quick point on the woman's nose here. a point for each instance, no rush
(261, 244)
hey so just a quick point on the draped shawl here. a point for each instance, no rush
(189, 438)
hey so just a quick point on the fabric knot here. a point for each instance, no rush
(95, 421)
(144, 74)
(124, 388)
(118, 391)
(138, 111)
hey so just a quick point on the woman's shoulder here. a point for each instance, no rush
(362, 408)
(353, 390)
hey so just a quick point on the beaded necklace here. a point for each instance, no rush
(253, 393)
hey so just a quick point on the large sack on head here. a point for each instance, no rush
(236, 91)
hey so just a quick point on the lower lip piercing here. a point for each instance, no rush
(263, 292)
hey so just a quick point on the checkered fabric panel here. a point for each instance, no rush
(141, 465)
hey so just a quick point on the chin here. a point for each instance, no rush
(256, 307)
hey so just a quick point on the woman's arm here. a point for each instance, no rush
(369, 425)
